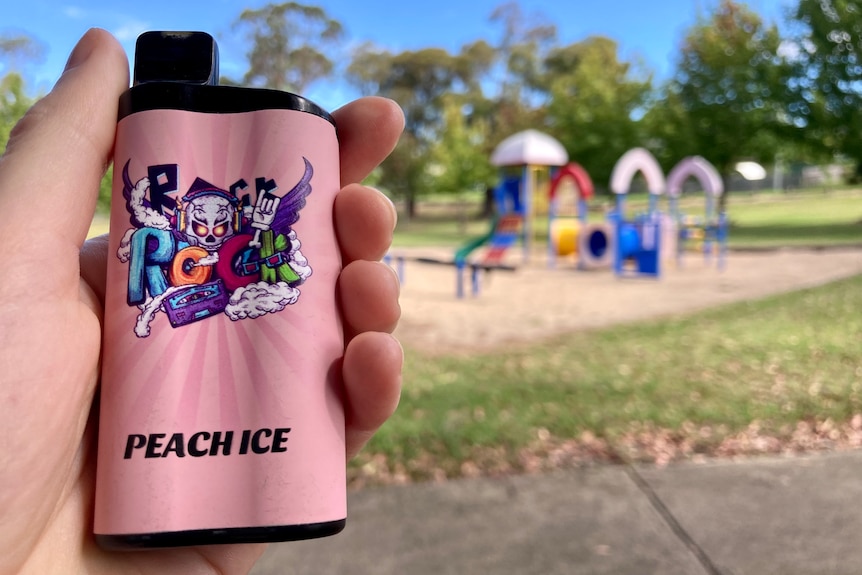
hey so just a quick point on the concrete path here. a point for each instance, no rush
(784, 516)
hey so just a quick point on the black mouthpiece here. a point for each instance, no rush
(185, 57)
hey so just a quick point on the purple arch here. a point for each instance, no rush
(698, 168)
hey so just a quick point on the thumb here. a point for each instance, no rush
(56, 155)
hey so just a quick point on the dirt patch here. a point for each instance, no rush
(536, 302)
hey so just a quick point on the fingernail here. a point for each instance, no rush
(391, 206)
(82, 51)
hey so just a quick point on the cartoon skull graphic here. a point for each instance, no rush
(210, 214)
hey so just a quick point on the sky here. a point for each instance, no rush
(647, 31)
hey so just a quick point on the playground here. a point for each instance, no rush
(534, 303)
(628, 327)
(550, 265)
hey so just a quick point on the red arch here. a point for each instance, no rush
(579, 175)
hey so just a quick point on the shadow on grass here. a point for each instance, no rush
(795, 235)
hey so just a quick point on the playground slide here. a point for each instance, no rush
(504, 233)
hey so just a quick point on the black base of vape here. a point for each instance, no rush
(219, 536)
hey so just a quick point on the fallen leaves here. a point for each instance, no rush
(641, 443)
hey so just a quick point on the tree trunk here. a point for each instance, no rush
(410, 204)
(488, 204)
(722, 200)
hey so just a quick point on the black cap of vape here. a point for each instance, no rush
(179, 71)
(186, 57)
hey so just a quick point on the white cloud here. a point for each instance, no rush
(74, 12)
(130, 30)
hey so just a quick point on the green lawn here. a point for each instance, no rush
(778, 361)
(814, 235)
(809, 218)
(801, 219)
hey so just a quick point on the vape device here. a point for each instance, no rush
(221, 418)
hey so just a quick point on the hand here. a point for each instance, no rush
(264, 211)
(51, 291)
(263, 215)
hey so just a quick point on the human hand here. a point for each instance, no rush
(51, 292)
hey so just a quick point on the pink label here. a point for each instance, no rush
(220, 397)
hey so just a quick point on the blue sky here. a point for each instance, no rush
(648, 31)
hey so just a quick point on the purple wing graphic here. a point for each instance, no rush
(292, 202)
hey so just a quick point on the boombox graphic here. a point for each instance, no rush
(211, 251)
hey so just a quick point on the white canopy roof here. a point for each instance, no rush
(751, 171)
(531, 148)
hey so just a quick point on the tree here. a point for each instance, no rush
(593, 101)
(459, 153)
(827, 54)
(523, 42)
(519, 94)
(14, 103)
(288, 45)
(730, 84)
(15, 51)
(420, 81)
(666, 125)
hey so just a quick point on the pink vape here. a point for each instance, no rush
(221, 417)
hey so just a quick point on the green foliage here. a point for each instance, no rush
(523, 44)
(288, 45)
(104, 202)
(740, 90)
(460, 160)
(828, 75)
(14, 103)
(593, 100)
(15, 50)
(426, 81)
(516, 85)
(419, 81)
(667, 127)
(729, 89)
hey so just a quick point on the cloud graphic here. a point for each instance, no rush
(124, 252)
(209, 260)
(149, 310)
(298, 262)
(259, 299)
(146, 216)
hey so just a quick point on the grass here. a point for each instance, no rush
(762, 220)
(820, 219)
(777, 361)
(813, 235)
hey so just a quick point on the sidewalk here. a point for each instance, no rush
(784, 516)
